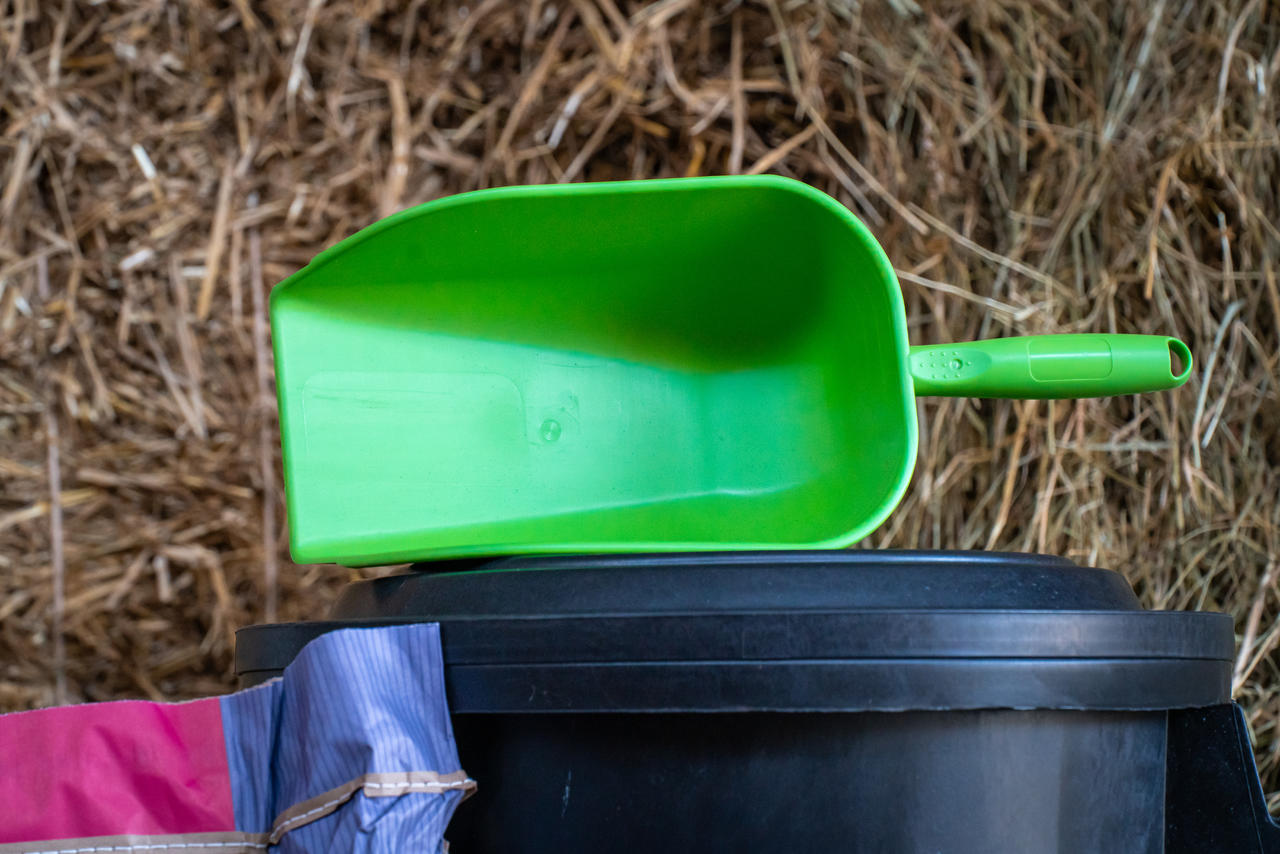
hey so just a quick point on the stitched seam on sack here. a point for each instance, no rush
(289, 824)
(166, 846)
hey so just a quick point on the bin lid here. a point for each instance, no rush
(850, 631)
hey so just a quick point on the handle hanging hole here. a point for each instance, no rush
(1179, 359)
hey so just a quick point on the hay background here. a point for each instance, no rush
(1030, 167)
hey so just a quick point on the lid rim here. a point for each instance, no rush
(740, 581)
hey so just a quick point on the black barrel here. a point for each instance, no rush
(788, 701)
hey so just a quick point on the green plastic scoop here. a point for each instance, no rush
(707, 363)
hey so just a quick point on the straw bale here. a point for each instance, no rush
(1045, 166)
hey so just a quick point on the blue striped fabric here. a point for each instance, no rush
(410, 823)
(249, 723)
(354, 702)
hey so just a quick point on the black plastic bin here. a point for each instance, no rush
(901, 702)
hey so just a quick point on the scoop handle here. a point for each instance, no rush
(1043, 367)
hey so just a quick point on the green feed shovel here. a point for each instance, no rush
(706, 363)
